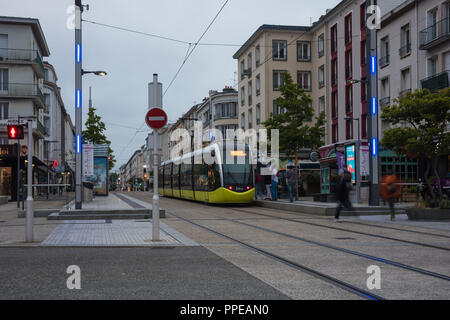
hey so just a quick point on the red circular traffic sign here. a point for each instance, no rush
(156, 118)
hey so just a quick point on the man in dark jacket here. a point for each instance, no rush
(343, 188)
(291, 180)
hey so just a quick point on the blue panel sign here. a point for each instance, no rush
(351, 161)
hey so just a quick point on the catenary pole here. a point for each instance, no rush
(30, 202)
(155, 202)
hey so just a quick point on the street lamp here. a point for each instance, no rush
(357, 160)
(79, 72)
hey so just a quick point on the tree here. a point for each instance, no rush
(294, 122)
(94, 134)
(113, 179)
(426, 115)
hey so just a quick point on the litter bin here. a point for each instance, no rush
(88, 192)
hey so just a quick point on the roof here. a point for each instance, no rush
(36, 27)
(268, 27)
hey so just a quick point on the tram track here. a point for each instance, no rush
(339, 249)
(339, 283)
(345, 230)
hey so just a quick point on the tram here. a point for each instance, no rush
(228, 180)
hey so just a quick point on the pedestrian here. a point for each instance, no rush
(259, 186)
(343, 188)
(389, 191)
(291, 180)
(268, 184)
(274, 185)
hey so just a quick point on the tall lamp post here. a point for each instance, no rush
(79, 72)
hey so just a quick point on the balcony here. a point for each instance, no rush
(384, 61)
(403, 93)
(405, 50)
(437, 82)
(384, 102)
(23, 91)
(435, 34)
(19, 56)
(40, 129)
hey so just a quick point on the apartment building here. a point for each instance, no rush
(269, 52)
(22, 47)
(59, 150)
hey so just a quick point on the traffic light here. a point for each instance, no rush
(15, 132)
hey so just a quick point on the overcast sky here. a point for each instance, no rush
(130, 59)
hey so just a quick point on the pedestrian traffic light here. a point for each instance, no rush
(15, 132)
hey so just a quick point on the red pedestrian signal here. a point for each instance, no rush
(15, 132)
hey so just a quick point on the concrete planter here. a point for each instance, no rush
(428, 214)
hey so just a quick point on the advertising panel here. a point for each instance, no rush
(351, 161)
(100, 176)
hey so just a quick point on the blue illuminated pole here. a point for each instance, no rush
(78, 103)
(372, 122)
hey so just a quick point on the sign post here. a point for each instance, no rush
(156, 119)
(30, 201)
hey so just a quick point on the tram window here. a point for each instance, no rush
(176, 176)
(186, 176)
(167, 174)
(201, 177)
(161, 177)
(213, 177)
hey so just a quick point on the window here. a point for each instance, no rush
(4, 79)
(334, 72)
(4, 110)
(303, 51)
(334, 105)
(242, 96)
(322, 76)
(249, 61)
(277, 81)
(335, 133)
(258, 114)
(242, 69)
(362, 16)
(348, 28)
(334, 39)
(279, 48)
(432, 66)
(257, 55)
(258, 85)
(46, 74)
(321, 45)
(250, 118)
(243, 120)
(47, 102)
(250, 91)
(432, 19)
(406, 80)
(363, 54)
(304, 80)
(405, 47)
(384, 60)
(348, 64)
(226, 110)
(349, 99)
(321, 104)
(349, 129)
(276, 108)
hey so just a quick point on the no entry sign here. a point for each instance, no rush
(156, 118)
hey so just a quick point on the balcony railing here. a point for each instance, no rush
(403, 93)
(22, 55)
(384, 61)
(385, 101)
(435, 34)
(437, 82)
(21, 90)
(41, 128)
(405, 50)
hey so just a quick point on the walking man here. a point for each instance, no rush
(275, 185)
(291, 183)
(343, 188)
(390, 191)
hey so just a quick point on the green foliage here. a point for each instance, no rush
(294, 123)
(427, 115)
(113, 178)
(444, 204)
(94, 133)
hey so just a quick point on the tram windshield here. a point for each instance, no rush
(235, 174)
